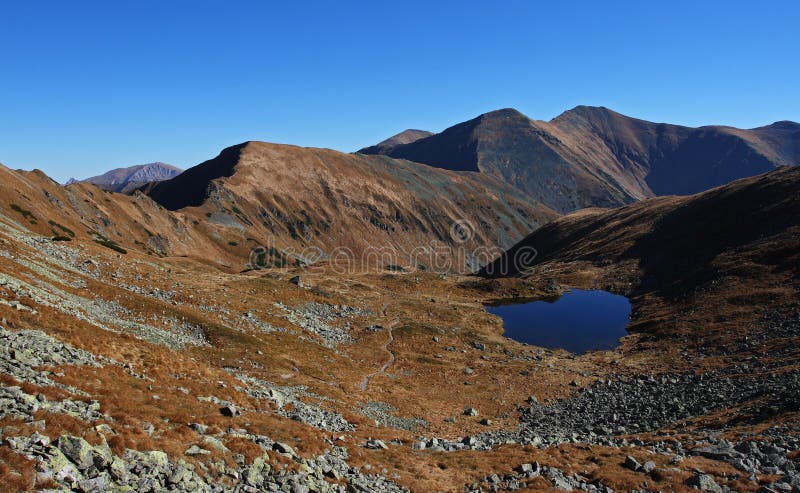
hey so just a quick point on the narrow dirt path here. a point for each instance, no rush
(390, 327)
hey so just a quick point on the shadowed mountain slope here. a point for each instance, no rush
(510, 147)
(676, 242)
(593, 156)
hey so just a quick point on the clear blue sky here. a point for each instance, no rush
(88, 86)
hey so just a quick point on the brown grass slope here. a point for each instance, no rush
(287, 198)
(82, 211)
(294, 198)
(151, 399)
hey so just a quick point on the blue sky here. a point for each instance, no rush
(89, 86)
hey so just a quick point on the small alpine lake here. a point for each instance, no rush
(578, 321)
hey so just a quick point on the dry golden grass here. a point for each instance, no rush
(425, 380)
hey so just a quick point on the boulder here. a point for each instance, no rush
(77, 450)
(718, 452)
(376, 445)
(528, 468)
(195, 450)
(283, 448)
(230, 410)
(199, 428)
(704, 482)
(96, 484)
(632, 463)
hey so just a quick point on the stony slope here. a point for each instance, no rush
(592, 156)
(126, 180)
(145, 373)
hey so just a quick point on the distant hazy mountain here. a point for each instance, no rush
(128, 179)
(404, 137)
(593, 156)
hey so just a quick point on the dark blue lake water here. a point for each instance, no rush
(578, 321)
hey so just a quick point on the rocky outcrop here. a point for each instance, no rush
(72, 463)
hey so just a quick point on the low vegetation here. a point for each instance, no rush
(110, 244)
(24, 212)
(61, 227)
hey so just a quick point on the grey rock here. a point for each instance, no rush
(376, 444)
(632, 463)
(283, 448)
(77, 450)
(704, 482)
(195, 450)
(199, 428)
(230, 411)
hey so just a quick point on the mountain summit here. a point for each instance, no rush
(404, 137)
(324, 198)
(130, 178)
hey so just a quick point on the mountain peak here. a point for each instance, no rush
(589, 113)
(129, 178)
(504, 113)
(405, 137)
(784, 125)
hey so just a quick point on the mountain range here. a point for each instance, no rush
(126, 180)
(498, 177)
(593, 156)
(199, 334)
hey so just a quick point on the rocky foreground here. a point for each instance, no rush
(134, 372)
